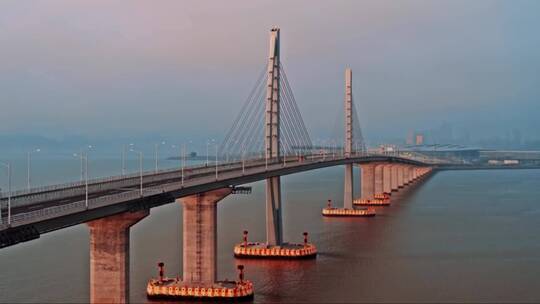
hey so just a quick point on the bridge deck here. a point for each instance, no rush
(44, 211)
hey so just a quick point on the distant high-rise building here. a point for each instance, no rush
(419, 139)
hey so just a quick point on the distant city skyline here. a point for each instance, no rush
(183, 69)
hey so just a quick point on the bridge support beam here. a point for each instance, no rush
(367, 181)
(200, 236)
(394, 177)
(387, 179)
(109, 257)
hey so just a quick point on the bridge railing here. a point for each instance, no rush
(103, 184)
(64, 209)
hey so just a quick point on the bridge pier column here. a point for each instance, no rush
(400, 176)
(387, 178)
(378, 179)
(348, 187)
(394, 177)
(200, 236)
(412, 177)
(109, 257)
(274, 225)
(367, 181)
(406, 178)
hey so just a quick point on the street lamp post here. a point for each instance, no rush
(140, 170)
(82, 164)
(156, 151)
(81, 155)
(123, 159)
(8, 167)
(86, 180)
(84, 160)
(183, 161)
(216, 161)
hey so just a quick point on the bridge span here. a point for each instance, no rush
(60, 206)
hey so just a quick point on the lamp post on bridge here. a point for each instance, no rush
(207, 150)
(183, 156)
(156, 154)
(124, 158)
(81, 154)
(183, 160)
(216, 161)
(8, 167)
(140, 169)
(84, 160)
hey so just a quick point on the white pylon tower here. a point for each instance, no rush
(348, 184)
(274, 230)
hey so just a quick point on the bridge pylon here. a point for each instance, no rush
(348, 182)
(274, 224)
(349, 127)
(294, 136)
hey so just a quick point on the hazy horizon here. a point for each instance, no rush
(182, 69)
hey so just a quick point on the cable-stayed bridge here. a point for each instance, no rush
(267, 140)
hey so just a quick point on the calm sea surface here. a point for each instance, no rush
(462, 236)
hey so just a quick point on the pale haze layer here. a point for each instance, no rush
(184, 68)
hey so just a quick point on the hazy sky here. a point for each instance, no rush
(184, 68)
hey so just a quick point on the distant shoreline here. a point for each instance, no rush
(485, 167)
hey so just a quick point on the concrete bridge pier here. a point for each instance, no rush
(367, 181)
(109, 256)
(274, 224)
(412, 174)
(400, 176)
(406, 177)
(378, 179)
(200, 236)
(394, 177)
(348, 187)
(387, 178)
